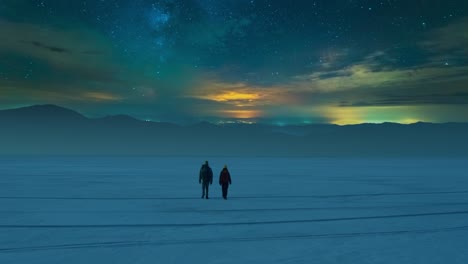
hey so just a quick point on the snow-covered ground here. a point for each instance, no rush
(148, 210)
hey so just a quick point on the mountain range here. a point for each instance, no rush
(54, 130)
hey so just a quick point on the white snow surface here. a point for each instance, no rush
(149, 210)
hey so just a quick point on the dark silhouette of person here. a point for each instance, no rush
(206, 179)
(224, 181)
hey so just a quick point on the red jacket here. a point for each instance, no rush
(224, 177)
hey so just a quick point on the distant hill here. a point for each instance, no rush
(54, 130)
(41, 113)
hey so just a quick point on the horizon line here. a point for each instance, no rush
(233, 121)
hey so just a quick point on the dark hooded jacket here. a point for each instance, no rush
(206, 174)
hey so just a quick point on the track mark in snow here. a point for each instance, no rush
(94, 198)
(227, 240)
(352, 195)
(316, 208)
(234, 223)
(233, 197)
(422, 205)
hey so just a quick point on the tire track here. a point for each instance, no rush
(317, 208)
(96, 226)
(235, 210)
(233, 197)
(228, 240)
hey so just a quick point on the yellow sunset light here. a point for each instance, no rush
(242, 114)
(233, 96)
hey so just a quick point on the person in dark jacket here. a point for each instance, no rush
(224, 181)
(205, 178)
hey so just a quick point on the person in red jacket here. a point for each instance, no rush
(224, 181)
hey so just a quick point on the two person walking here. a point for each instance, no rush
(206, 179)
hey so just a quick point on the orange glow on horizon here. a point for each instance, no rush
(233, 96)
(242, 114)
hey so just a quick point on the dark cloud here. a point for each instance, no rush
(423, 99)
(341, 61)
(51, 48)
(451, 39)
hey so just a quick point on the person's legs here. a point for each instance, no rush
(205, 189)
(225, 190)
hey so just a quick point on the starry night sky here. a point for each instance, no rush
(276, 61)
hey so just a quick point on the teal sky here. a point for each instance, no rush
(280, 62)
